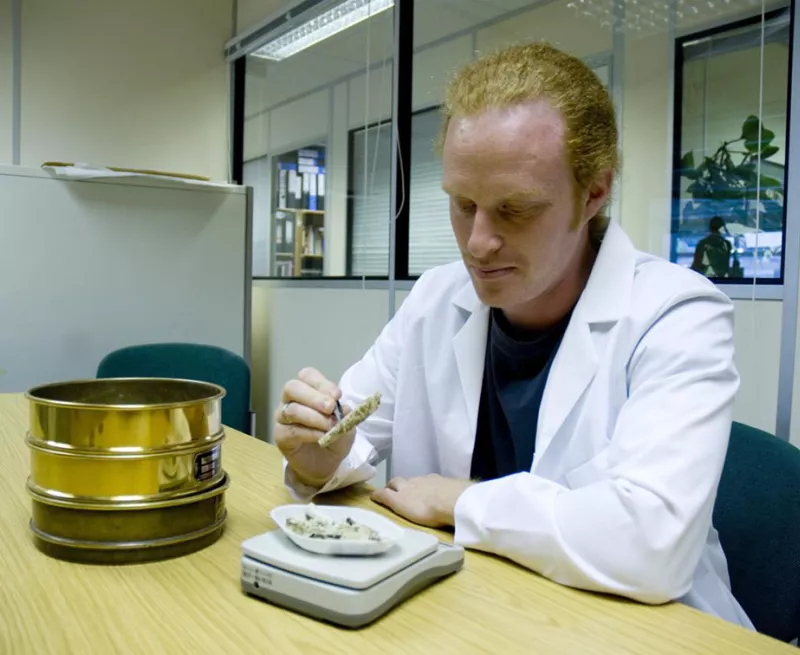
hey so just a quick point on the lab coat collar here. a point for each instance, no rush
(607, 295)
(605, 299)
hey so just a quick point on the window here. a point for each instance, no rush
(295, 117)
(431, 241)
(730, 134)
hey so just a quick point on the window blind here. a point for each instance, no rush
(431, 240)
(370, 200)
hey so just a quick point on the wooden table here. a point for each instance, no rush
(194, 604)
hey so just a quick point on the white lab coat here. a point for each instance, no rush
(631, 438)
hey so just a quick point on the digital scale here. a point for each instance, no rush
(350, 591)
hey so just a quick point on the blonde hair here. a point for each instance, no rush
(525, 73)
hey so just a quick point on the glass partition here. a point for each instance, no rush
(303, 96)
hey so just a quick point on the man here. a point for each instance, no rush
(558, 398)
(712, 257)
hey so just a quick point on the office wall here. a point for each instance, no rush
(140, 84)
(251, 12)
(6, 89)
(757, 336)
(645, 185)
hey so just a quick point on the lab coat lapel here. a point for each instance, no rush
(469, 345)
(573, 369)
(603, 302)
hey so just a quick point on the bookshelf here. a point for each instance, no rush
(298, 213)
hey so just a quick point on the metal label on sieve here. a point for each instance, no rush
(207, 465)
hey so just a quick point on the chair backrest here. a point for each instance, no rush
(192, 362)
(757, 515)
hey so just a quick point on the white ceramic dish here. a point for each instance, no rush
(389, 532)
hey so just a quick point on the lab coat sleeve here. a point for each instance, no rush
(638, 523)
(376, 371)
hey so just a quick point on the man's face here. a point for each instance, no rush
(513, 204)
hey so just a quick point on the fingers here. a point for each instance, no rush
(306, 412)
(291, 437)
(313, 378)
(294, 413)
(389, 494)
(385, 497)
(297, 391)
(397, 484)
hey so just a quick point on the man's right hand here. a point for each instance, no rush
(305, 414)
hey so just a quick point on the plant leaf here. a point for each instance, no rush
(768, 151)
(756, 137)
(750, 128)
(687, 161)
(770, 183)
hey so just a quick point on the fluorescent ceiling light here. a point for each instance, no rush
(319, 28)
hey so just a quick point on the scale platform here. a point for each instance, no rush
(350, 591)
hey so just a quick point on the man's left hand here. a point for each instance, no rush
(429, 500)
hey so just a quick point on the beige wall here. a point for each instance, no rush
(251, 12)
(757, 337)
(141, 84)
(645, 190)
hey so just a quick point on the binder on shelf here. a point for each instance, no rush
(321, 189)
(306, 190)
(312, 192)
(295, 189)
(282, 185)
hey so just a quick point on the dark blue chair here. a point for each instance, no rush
(757, 515)
(189, 361)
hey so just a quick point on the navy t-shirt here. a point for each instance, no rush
(517, 365)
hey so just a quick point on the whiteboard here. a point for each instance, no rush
(87, 267)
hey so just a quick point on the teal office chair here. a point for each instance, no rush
(757, 515)
(192, 362)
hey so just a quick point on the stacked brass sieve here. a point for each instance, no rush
(126, 469)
